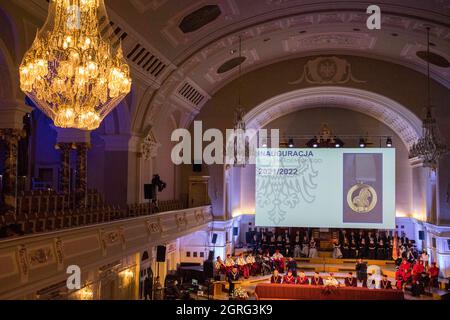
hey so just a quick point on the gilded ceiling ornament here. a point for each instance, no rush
(150, 146)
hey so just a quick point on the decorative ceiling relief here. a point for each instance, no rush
(344, 40)
(150, 146)
(327, 70)
(181, 28)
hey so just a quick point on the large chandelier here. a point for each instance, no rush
(240, 143)
(430, 147)
(73, 72)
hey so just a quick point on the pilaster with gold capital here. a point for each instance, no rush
(11, 138)
(81, 174)
(65, 148)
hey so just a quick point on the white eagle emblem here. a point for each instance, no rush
(278, 194)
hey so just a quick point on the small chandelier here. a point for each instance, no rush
(73, 72)
(240, 156)
(430, 147)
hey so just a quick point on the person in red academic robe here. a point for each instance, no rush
(417, 270)
(278, 260)
(350, 280)
(399, 279)
(229, 263)
(251, 264)
(407, 278)
(317, 280)
(302, 279)
(434, 275)
(405, 265)
(276, 278)
(242, 265)
(385, 283)
(289, 278)
(220, 266)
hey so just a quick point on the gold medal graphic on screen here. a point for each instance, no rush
(362, 198)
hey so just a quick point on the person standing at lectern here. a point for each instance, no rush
(232, 277)
(361, 271)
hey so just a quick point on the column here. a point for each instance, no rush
(81, 174)
(65, 149)
(11, 138)
(422, 198)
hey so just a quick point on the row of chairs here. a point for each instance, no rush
(47, 201)
(42, 221)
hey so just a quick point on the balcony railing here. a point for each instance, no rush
(35, 261)
(47, 211)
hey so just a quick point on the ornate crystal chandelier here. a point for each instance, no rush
(73, 72)
(240, 143)
(430, 147)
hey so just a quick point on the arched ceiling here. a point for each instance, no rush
(192, 39)
(397, 117)
(275, 29)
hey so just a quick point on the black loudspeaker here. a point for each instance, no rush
(161, 254)
(235, 231)
(197, 167)
(214, 238)
(421, 235)
(208, 269)
(149, 192)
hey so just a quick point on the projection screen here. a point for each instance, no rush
(325, 188)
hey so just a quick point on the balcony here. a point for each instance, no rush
(31, 262)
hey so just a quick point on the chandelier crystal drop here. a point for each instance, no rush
(430, 147)
(75, 71)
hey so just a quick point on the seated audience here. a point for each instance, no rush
(313, 249)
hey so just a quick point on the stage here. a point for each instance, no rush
(339, 267)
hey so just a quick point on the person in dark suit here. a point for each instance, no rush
(385, 283)
(361, 271)
(232, 277)
(292, 266)
(147, 289)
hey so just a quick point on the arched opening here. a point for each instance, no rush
(348, 112)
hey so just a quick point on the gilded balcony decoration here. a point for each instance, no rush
(74, 72)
